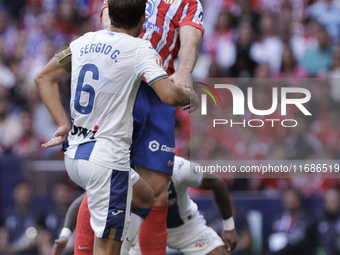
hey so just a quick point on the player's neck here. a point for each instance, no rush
(133, 32)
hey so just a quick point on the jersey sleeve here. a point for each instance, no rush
(192, 15)
(149, 64)
(188, 173)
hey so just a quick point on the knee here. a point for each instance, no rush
(161, 197)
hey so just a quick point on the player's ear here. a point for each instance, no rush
(143, 17)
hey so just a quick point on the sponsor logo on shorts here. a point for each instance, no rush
(170, 163)
(167, 149)
(154, 146)
(205, 239)
(84, 248)
(117, 212)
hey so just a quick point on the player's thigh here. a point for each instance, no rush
(142, 193)
(194, 238)
(109, 194)
(158, 181)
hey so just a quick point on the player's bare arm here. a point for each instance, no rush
(187, 56)
(47, 83)
(221, 194)
(173, 95)
(70, 224)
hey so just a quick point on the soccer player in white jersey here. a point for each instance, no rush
(187, 229)
(107, 68)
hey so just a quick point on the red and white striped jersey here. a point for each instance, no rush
(162, 23)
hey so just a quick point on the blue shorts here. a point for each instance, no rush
(153, 145)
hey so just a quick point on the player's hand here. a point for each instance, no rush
(194, 102)
(230, 238)
(58, 138)
(59, 245)
(182, 79)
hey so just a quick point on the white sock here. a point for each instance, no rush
(132, 232)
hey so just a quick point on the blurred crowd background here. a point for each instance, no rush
(290, 39)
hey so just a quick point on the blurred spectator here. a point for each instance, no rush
(220, 42)
(268, 50)
(43, 123)
(19, 232)
(29, 145)
(244, 66)
(215, 70)
(305, 39)
(293, 231)
(262, 71)
(31, 17)
(48, 31)
(328, 227)
(328, 130)
(302, 144)
(319, 59)
(10, 125)
(250, 147)
(289, 66)
(8, 32)
(247, 12)
(335, 75)
(276, 185)
(327, 13)
(54, 221)
(67, 17)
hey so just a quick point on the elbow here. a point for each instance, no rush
(38, 79)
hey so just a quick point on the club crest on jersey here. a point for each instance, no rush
(150, 8)
(169, 1)
(84, 131)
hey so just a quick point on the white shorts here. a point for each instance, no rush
(192, 238)
(134, 177)
(109, 195)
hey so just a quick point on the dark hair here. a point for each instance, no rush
(126, 14)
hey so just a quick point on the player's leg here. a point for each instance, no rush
(152, 154)
(109, 199)
(152, 234)
(84, 234)
(106, 246)
(142, 201)
(196, 238)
